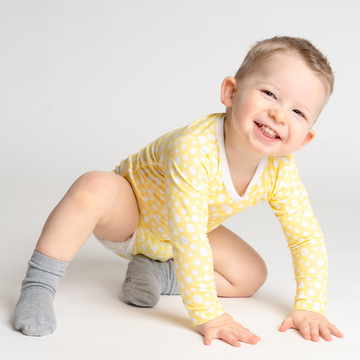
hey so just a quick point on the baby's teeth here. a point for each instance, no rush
(268, 130)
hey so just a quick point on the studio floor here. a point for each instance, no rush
(94, 321)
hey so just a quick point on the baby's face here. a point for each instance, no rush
(272, 111)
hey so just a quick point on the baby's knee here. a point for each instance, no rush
(258, 279)
(92, 188)
(250, 284)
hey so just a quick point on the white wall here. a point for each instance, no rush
(85, 83)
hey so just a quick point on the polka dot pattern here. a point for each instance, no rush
(302, 233)
(179, 184)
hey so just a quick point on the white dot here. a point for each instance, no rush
(205, 150)
(221, 198)
(305, 224)
(320, 262)
(184, 240)
(177, 218)
(318, 285)
(202, 287)
(311, 292)
(193, 150)
(154, 247)
(197, 299)
(203, 251)
(304, 251)
(316, 306)
(307, 213)
(197, 262)
(312, 271)
(188, 279)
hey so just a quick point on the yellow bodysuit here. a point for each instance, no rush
(184, 190)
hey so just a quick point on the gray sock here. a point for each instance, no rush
(147, 279)
(34, 312)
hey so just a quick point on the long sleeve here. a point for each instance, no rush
(291, 205)
(187, 178)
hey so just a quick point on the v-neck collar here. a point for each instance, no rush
(225, 166)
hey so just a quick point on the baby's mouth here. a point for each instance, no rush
(267, 131)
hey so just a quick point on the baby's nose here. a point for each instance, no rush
(278, 116)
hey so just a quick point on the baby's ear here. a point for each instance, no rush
(228, 88)
(308, 139)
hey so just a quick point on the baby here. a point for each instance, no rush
(163, 207)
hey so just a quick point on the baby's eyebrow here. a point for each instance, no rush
(264, 83)
(303, 107)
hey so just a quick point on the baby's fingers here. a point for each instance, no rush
(209, 336)
(230, 338)
(325, 332)
(304, 328)
(233, 336)
(287, 324)
(327, 329)
(248, 337)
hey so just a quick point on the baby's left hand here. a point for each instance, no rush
(310, 324)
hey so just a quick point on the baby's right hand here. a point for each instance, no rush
(224, 327)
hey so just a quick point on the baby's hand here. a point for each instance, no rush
(224, 327)
(310, 324)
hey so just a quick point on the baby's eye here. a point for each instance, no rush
(298, 112)
(269, 93)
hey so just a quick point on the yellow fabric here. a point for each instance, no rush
(182, 185)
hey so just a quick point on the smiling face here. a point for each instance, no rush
(271, 111)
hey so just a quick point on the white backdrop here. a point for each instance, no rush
(84, 83)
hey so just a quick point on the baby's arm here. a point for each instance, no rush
(188, 172)
(306, 244)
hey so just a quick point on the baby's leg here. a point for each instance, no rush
(98, 202)
(146, 279)
(239, 270)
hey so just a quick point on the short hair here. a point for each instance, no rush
(265, 49)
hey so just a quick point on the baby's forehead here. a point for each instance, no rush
(294, 66)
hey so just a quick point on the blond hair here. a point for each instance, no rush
(265, 49)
